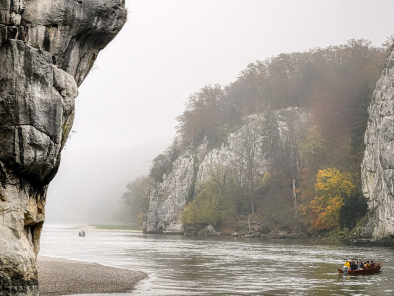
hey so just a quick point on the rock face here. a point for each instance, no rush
(378, 162)
(193, 168)
(168, 198)
(47, 48)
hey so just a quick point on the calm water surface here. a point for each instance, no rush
(179, 265)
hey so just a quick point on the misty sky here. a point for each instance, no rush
(126, 110)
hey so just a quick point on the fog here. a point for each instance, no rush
(126, 110)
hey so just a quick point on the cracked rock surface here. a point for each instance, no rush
(378, 163)
(47, 48)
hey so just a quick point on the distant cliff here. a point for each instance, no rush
(47, 48)
(281, 146)
(245, 153)
(378, 162)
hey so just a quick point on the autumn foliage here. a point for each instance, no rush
(319, 185)
(332, 188)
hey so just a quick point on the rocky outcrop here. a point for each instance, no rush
(208, 231)
(192, 169)
(168, 198)
(378, 162)
(46, 50)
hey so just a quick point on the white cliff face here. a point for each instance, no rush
(168, 198)
(378, 163)
(191, 170)
(247, 142)
(249, 145)
(46, 50)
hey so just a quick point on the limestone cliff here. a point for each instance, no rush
(168, 198)
(378, 162)
(195, 166)
(46, 50)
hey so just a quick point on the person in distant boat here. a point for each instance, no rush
(353, 265)
(347, 264)
(346, 267)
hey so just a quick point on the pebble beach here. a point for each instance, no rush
(67, 277)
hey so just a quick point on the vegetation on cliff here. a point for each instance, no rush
(312, 179)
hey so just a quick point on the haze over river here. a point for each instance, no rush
(179, 265)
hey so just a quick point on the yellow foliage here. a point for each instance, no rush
(332, 187)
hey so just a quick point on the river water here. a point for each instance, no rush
(179, 265)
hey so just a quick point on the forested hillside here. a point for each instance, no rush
(291, 129)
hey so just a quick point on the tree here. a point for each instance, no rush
(353, 210)
(215, 202)
(332, 187)
(313, 150)
(293, 129)
(388, 43)
(358, 112)
(333, 85)
(203, 117)
(247, 149)
(161, 166)
(136, 198)
(270, 135)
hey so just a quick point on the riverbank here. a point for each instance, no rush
(67, 277)
(107, 227)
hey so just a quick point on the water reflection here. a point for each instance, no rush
(180, 265)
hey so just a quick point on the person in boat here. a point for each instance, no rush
(345, 268)
(367, 269)
(347, 264)
(353, 265)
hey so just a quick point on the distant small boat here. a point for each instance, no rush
(369, 270)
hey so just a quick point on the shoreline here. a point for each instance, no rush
(350, 241)
(68, 277)
(90, 227)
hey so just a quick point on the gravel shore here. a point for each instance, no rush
(67, 277)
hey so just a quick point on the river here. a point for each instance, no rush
(179, 265)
